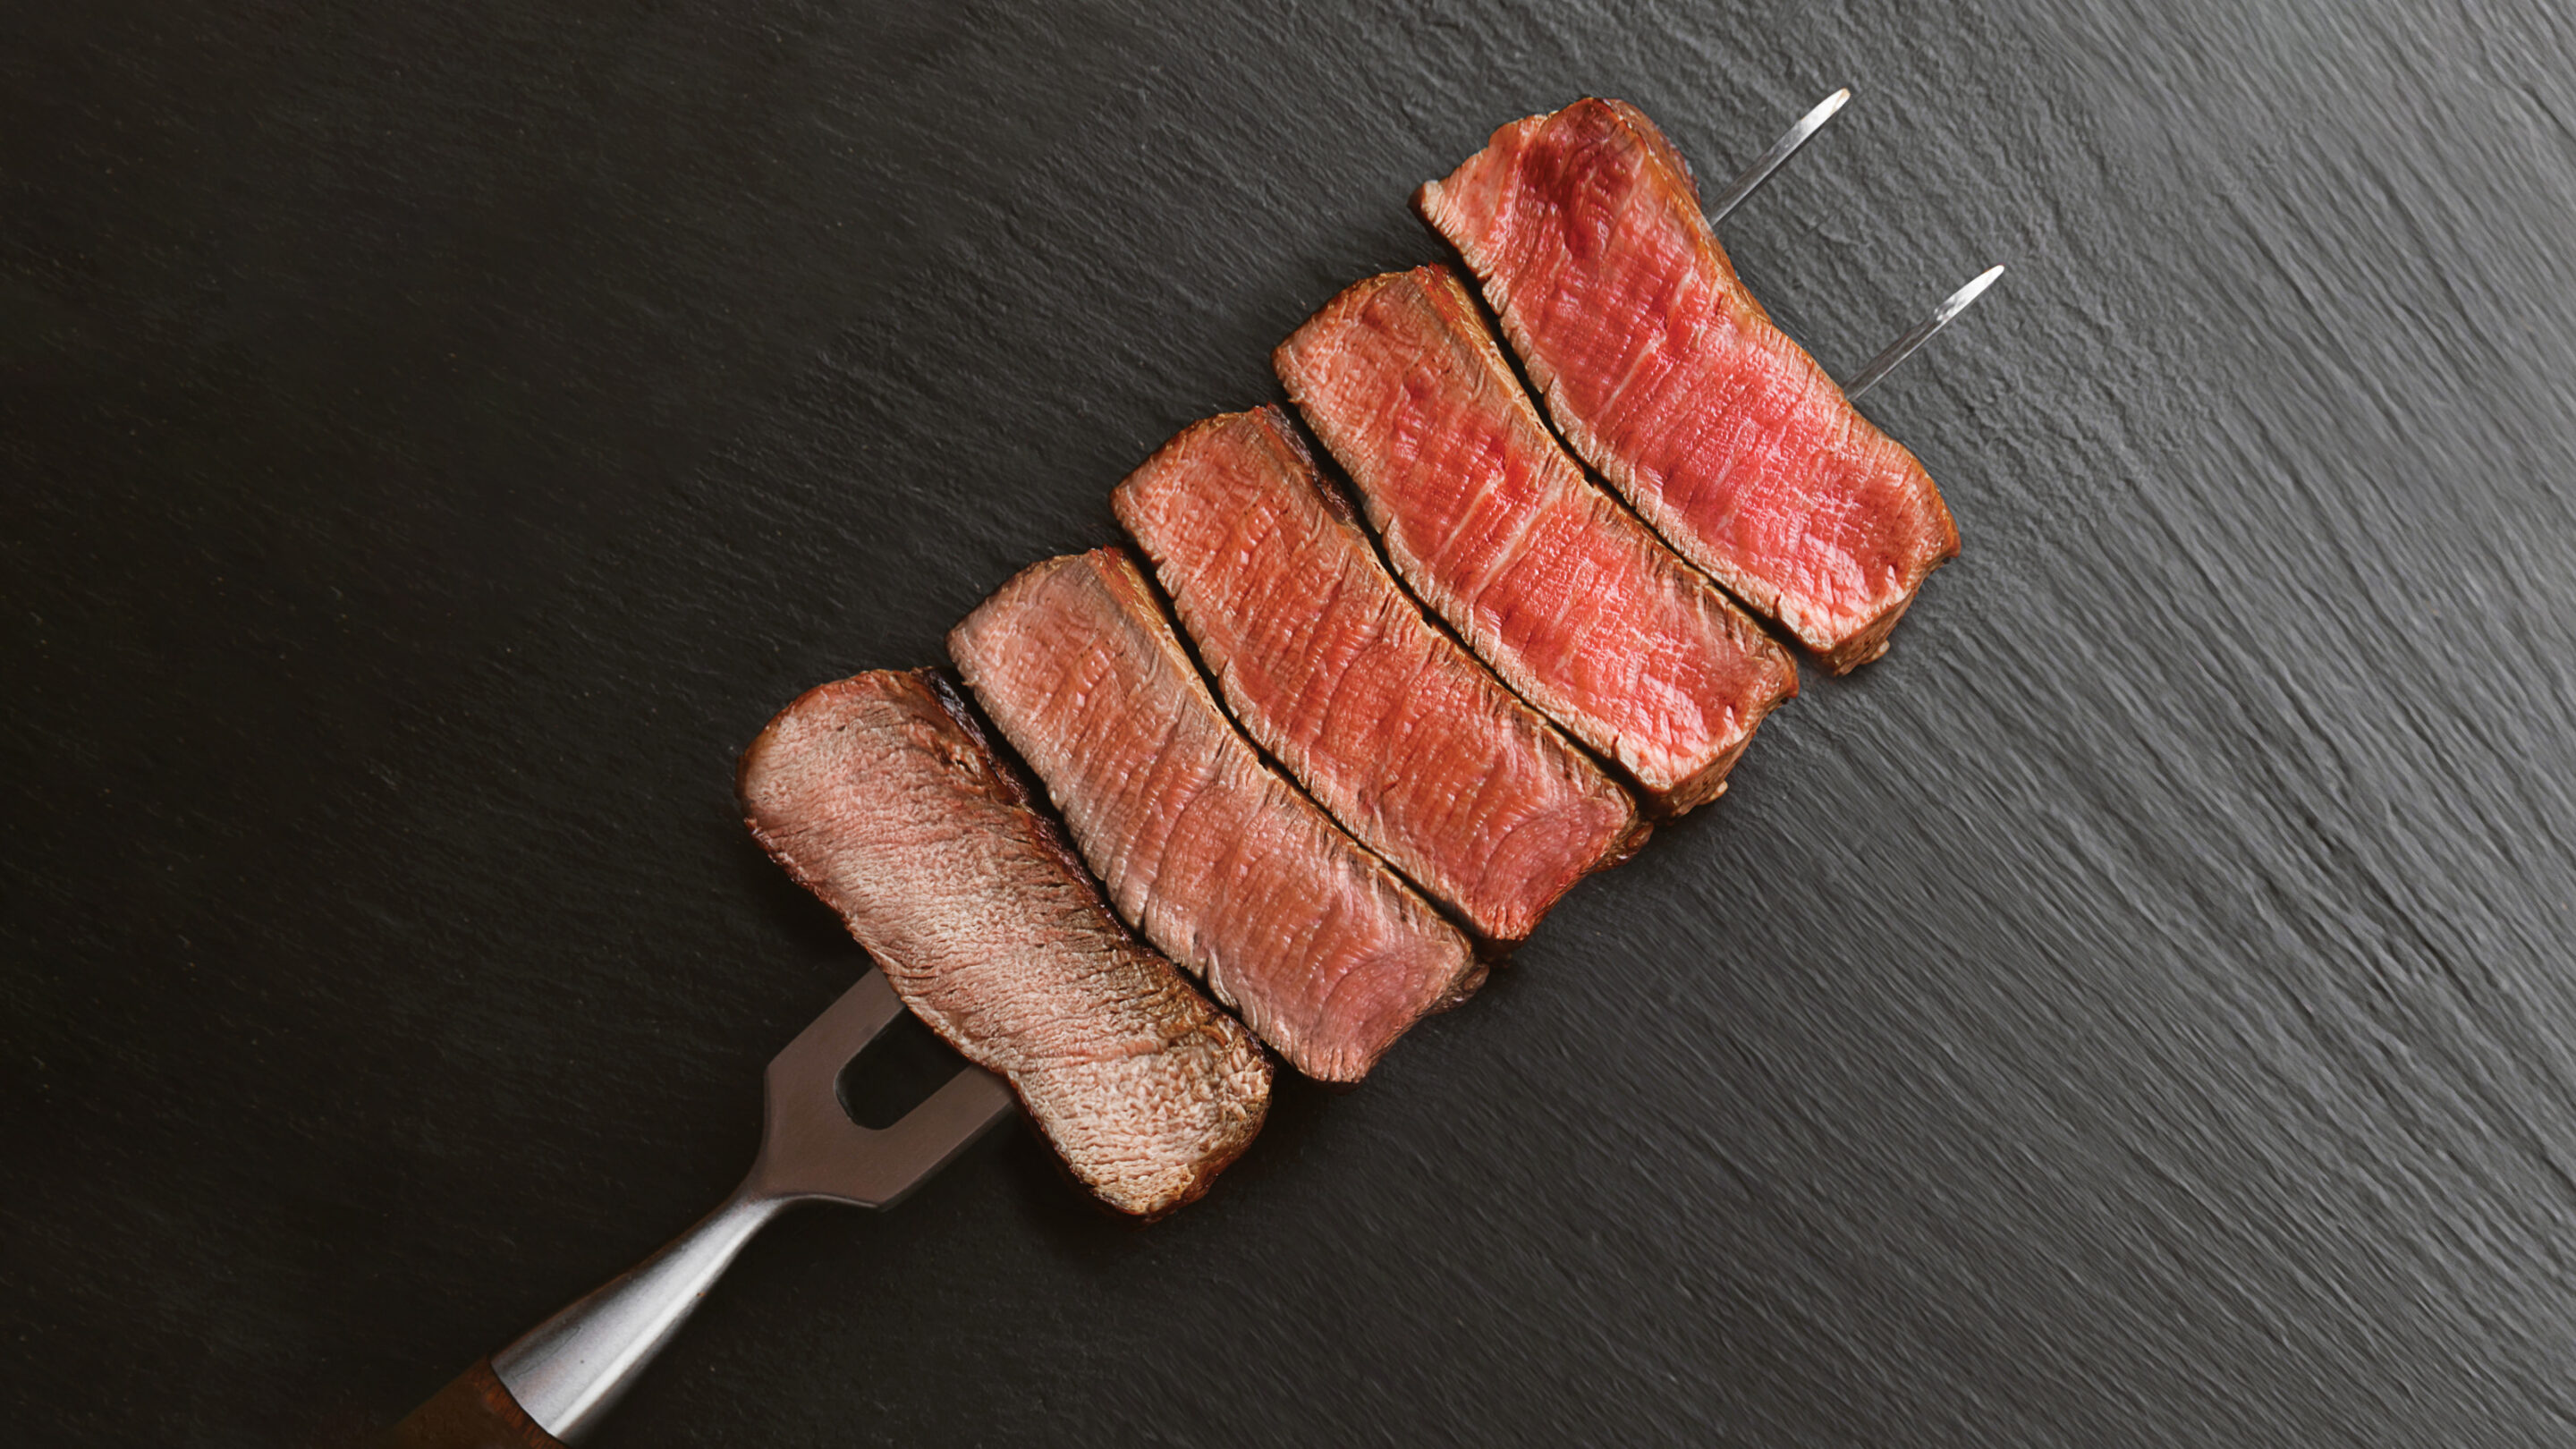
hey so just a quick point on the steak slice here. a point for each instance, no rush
(880, 795)
(1393, 727)
(1218, 860)
(1561, 590)
(1666, 375)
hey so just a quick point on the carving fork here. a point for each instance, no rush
(553, 1385)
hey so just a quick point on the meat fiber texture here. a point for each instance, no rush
(1215, 858)
(1666, 375)
(1571, 600)
(1409, 742)
(880, 795)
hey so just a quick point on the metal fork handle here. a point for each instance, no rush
(553, 1385)
(570, 1370)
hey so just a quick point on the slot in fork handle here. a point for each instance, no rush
(472, 1412)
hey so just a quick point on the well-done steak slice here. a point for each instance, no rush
(1666, 375)
(1214, 857)
(880, 795)
(1571, 600)
(1396, 730)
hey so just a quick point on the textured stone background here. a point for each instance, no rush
(435, 438)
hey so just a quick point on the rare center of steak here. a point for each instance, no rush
(1216, 858)
(1570, 599)
(1668, 377)
(880, 795)
(1409, 742)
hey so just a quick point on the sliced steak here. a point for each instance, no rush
(1214, 857)
(1663, 372)
(880, 795)
(1561, 590)
(1396, 730)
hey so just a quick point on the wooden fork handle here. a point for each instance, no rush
(473, 1412)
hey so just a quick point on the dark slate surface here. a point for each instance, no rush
(437, 436)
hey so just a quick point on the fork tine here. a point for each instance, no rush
(903, 1156)
(809, 1146)
(847, 1025)
(1921, 332)
(1781, 150)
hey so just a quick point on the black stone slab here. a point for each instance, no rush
(435, 437)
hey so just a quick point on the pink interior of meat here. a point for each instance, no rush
(1666, 375)
(1214, 857)
(1573, 602)
(1334, 670)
